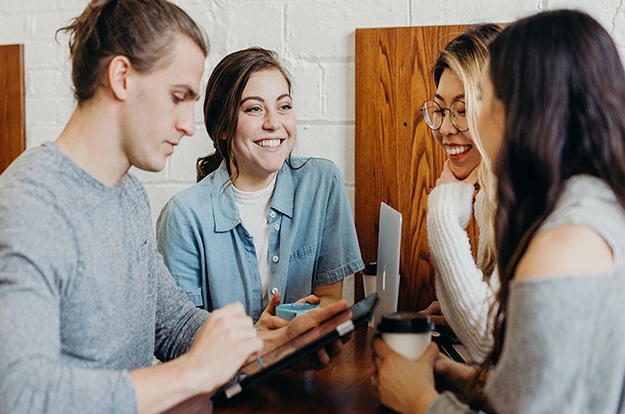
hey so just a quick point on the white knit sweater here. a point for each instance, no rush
(464, 293)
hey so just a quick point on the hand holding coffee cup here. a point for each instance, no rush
(407, 333)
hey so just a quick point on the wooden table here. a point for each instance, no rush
(343, 386)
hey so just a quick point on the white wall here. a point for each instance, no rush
(314, 38)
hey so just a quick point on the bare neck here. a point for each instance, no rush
(92, 140)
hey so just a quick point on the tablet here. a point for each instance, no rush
(298, 348)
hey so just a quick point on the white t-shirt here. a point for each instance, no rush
(253, 207)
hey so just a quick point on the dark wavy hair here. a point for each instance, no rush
(141, 30)
(562, 84)
(223, 100)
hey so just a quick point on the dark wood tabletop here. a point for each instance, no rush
(344, 386)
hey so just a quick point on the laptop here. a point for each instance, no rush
(389, 245)
(309, 342)
(449, 344)
(388, 278)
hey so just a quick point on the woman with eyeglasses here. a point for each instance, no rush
(553, 98)
(463, 287)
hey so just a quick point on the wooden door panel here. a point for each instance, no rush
(12, 113)
(397, 159)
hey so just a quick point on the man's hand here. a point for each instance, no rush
(225, 342)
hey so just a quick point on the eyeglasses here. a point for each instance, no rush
(434, 114)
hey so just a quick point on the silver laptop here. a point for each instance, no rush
(387, 279)
(389, 244)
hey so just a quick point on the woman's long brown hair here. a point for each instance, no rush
(562, 84)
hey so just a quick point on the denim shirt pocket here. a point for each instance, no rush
(195, 295)
(301, 279)
(304, 254)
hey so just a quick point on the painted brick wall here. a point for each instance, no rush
(314, 38)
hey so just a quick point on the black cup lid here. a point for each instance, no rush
(404, 322)
(371, 268)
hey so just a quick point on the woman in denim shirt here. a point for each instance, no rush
(260, 226)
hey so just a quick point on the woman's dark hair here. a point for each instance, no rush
(562, 84)
(223, 100)
(141, 30)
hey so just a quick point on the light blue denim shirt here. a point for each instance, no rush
(212, 257)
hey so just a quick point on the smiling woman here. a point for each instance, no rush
(260, 226)
(265, 132)
(464, 287)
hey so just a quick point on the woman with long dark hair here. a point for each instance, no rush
(552, 122)
(260, 226)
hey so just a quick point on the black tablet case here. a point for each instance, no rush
(298, 348)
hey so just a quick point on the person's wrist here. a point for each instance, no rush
(184, 377)
(478, 399)
(426, 399)
(272, 338)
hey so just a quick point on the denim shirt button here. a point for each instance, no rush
(277, 227)
(272, 214)
(274, 291)
(275, 259)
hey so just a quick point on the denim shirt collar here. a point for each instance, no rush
(284, 194)
(225, 208)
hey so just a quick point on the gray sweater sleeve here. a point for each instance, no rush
(448, 404)
(564, 346)
(177, 318)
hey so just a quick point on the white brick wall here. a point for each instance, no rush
(314, 38)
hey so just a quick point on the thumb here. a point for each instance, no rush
(273, 302)
(431, 353)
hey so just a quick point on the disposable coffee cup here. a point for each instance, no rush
(369, 274)
(407, 333)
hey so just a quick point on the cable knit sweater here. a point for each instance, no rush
(464, 294)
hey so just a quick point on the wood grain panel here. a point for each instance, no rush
(12, 113)
(397, 159)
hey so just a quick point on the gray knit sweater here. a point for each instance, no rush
(564, 350)
(84, 295)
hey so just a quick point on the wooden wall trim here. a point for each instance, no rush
(12, 105)
(396, 158)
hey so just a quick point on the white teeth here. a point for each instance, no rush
(458, 149)
(272, 143)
